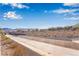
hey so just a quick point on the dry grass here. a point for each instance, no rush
(57, 34)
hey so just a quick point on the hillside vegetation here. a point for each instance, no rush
(76, 25)
(59, 33)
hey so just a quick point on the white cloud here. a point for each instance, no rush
(72, 18)
(69, 4)
(60, 11)
(72, 4)
(17, 5)
(11, 15)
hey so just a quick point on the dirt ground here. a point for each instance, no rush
(11, 48)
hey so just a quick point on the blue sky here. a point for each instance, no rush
(38, 15)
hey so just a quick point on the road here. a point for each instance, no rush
(45, 49)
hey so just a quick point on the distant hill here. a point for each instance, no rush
(6, 29)
(76, 25)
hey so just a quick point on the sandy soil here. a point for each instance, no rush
(11, 48)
